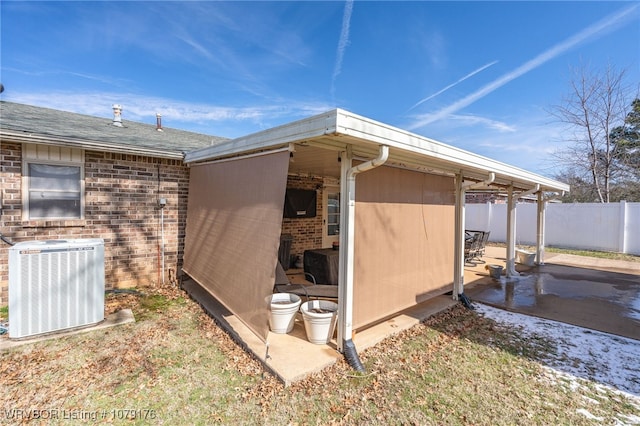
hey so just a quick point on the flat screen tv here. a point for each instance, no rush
(299, 203)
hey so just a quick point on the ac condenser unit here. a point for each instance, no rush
(55, 285)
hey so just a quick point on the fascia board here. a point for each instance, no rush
(348, 128)
(362, 128)
(309, 128)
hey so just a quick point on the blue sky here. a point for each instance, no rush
(481, 76)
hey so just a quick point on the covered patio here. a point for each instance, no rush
(401, 223)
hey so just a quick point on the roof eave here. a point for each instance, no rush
(366, 133)
(89, 145)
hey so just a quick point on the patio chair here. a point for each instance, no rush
(483, 244)
(318, 291)
(472, 244)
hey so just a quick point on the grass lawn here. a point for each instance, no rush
(174, 366)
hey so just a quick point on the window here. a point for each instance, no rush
(53, 187)
(333, 214)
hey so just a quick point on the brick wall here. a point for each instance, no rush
(121, 207)
(306, 232)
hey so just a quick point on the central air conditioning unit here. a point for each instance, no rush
(55, 285)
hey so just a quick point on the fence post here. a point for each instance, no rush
(622, 228)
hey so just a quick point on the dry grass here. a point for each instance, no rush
(175, 365)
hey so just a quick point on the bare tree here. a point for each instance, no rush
(595, 105)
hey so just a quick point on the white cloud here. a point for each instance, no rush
(473, 120)
(471, 74)
(598, 29)
(343, 42)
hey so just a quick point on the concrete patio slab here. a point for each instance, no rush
(291, 357)
(598, 294)
(123, 316)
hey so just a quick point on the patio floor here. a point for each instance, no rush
(291, 356)
(593, 293)
(598, 294)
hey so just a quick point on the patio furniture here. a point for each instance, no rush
(318, 291)
(474, 246)
(323, 264)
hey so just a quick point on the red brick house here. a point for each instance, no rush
(66, 175)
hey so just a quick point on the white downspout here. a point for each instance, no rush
(345, 300)
(529, 192)
(478, 185)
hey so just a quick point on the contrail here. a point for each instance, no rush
(342, 44)
(558, 49)
(471, 74)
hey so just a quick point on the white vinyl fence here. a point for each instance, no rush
(589, 226)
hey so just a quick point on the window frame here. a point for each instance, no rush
(49, 159)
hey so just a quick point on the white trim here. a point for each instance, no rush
(9, 136)
(31, 155)
(328, 240)
(241, 157)
(342, 127)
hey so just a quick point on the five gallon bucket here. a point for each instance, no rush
(320, 318)
(284, 307)
(495, 271)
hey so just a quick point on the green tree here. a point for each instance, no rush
(626, 140)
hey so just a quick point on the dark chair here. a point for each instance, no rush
(483, 244)
(474, 246)
(283, 285)
(472, 243)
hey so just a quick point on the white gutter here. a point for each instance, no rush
(347, 255)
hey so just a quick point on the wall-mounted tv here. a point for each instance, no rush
(299, 203)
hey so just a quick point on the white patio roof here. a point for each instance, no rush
(317, 140)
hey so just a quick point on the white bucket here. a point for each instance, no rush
(284, 307)
(320, 318)
(526, 257)
(495, 271)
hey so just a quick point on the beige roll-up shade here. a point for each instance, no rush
(404, 241)
(234, 220)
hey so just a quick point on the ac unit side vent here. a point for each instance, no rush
(55, 285)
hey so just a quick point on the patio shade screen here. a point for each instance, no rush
(404, 241)
(234, 220)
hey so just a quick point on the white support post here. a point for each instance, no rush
(622, 232)
(542, 207)
(458, 260)
(511, 234)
